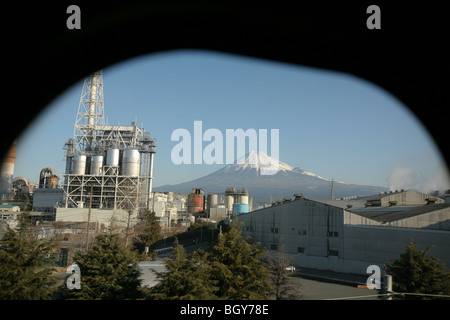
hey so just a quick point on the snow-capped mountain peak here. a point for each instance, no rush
(300, 170)
(259, 161)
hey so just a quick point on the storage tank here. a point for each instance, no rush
(96, 165)
(243, 198)
(214, 200)
(131, 163)
(239, 208)
(229, 201)
(51, 182)
(7, 171)
(79, 164)
(112, 157)
(195, 201)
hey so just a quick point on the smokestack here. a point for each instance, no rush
(7, 172)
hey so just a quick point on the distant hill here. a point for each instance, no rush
(287, 181)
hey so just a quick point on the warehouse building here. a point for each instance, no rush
(326, 237)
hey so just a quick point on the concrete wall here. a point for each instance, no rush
(103, 216)
(365, 245)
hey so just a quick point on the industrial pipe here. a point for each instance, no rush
(42, 176)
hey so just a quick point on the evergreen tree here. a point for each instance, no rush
(147, 230)
(108, 272)
(23, 261)
(236, 267)
(414, 272)
(187, 277)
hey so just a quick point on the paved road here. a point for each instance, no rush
(309, 289)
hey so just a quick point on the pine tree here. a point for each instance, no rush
(414, 272)
(108, 272)
(187, 277)
(24, 274)
(147, 230)
(236, 267)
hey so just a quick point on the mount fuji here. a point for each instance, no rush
(251, 172)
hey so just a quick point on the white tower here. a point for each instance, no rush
(90, 116)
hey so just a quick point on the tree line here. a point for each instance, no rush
(231, 268)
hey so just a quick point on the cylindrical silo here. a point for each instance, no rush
(229, 201)
(112, 157)
(214, 202)
(96, 165)
(7, 171)
(243, 198)
(79, 164)
(51, 182)
(131, 163)
(197, 202)
(239, 208)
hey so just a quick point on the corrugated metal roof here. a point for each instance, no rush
(394, 213)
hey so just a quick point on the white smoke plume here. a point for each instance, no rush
(417, 176)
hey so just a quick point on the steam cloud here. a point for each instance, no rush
(416, 177)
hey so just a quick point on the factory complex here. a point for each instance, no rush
(108, 182)
(349, 235)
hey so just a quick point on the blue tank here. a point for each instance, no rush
(239, 208)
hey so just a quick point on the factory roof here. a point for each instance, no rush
(8, 205)
(381, 195)
(395, 213)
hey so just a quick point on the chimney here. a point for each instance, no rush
(7, 172)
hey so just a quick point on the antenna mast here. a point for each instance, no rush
(332, 189)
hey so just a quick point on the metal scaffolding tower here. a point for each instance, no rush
(116, 161)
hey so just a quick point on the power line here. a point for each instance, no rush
(392, 294)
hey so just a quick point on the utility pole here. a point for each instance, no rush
(89, 219)
(130, 212)
(388, 287)
(332, 189)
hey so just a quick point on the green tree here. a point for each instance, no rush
(108, 272)
(23, 261)
(187, 277)
(147, 230)
(414, 272)
(236, 267)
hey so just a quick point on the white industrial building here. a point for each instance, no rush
(341, 239)
(104, 218)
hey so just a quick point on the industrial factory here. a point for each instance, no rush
(108, 177)
(109, 168)
(175, 208)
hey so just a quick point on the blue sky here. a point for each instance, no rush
(333, 124)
